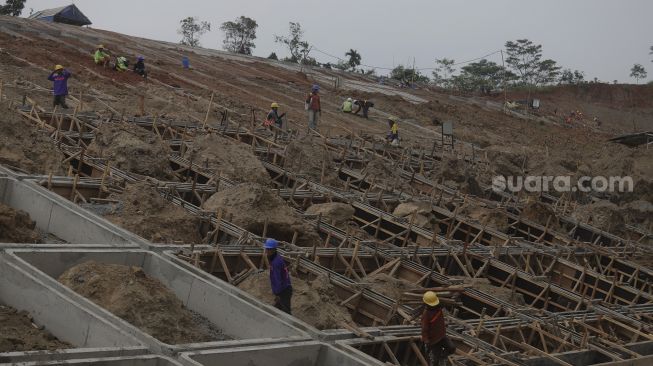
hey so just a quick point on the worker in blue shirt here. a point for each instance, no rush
(279, 276)
(59, 78)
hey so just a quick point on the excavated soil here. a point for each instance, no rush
(603, 215)
(249, 205)
(336, 212)
(143, 211)
(314, 302)
(540, 213)
(377, 170)
(18, 333)
(495, 218)
(389, 286)
(232, 159)
(25, 148)
(16, 226)
(132, 149)
(308, 156)
(144, 302)
(422, 211)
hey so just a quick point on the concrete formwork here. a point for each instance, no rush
(298, 354)
(62, 218)
(238, 317)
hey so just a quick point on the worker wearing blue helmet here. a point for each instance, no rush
(279, 276)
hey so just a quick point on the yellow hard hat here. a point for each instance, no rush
(393, 118)
(430, 298)
(58, 67)
(100, 46)
(274, 105)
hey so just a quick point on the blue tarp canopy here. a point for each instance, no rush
(66, 14)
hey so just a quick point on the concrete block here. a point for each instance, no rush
(237, 317)
(298, 354)
(60, 315)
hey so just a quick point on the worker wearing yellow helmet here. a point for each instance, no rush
(101, 56)
(393, 135)
(273, 117)
(434, 329)
(59, 78)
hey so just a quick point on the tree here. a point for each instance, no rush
(354, 58)
(299, 49)
(638, 72)
(407, 75)
(191, 30)
(524, 58)
(483, 75)
(239, 35)
(443, 71)
(12, 7)
(547, 72)
(273, 56)
(571, 77)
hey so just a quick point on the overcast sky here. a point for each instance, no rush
(604, 38)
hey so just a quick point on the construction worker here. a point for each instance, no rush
(364, 105)
(273, 117)
(139, 67)
(121, 64)
(434, 330)
(347, 105)
(313, 107)
(279, 276)
(393, 135)
(59, 78)
(101, 57)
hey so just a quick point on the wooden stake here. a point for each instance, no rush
(208, 110)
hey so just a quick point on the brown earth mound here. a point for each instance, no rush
(389, 286)
(232, 159)
(314, 302)
(132, 149)
(339, 213)
(603, 215)
(23, 147)
(144, 302)
(249, 205)
(144, 212)
(379, 171)
(422, 211)
(491, 217)
(540, 213)
(308, 156)
(16, 226)
(18, 333)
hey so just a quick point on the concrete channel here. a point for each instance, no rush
(56, 215)
(245, 321)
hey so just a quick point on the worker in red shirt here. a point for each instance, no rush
(313, 107)
(434, 330)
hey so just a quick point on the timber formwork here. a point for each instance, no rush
(579, 297)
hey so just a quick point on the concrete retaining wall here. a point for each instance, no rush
(238, 318)
(298, 354)
(149, 360)
(57, 312)
(58, 216)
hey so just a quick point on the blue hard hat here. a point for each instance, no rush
(141, 58)
(271, 244)
(315, 87)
